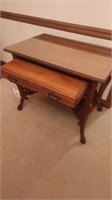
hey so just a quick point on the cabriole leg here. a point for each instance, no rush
(87, 108)
(23, 97)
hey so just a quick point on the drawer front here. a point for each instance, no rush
(42, 89)
(60, 98)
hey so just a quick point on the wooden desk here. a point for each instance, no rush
(72, 59)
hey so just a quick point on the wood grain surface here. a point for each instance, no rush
(77, 62)
(97, 49)
(44, 80)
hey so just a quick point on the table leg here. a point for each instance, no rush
(106, 103)
(24, 92)
(23, 97)
(87, 108)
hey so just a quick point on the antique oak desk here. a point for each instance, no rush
(64, 70)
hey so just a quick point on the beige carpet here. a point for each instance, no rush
(42, 157)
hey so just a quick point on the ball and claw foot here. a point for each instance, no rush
(20, 107)
(99, 109)
(83, 140)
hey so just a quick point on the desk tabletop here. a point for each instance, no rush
(87, 65)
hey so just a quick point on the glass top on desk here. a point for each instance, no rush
(77, 62)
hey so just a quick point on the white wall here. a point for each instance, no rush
(95, 13)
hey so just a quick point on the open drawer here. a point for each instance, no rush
(53, 84)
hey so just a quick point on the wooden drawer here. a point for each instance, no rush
(55, 85)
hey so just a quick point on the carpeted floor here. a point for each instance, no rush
(42, 157)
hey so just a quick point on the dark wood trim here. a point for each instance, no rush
(59, 25)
